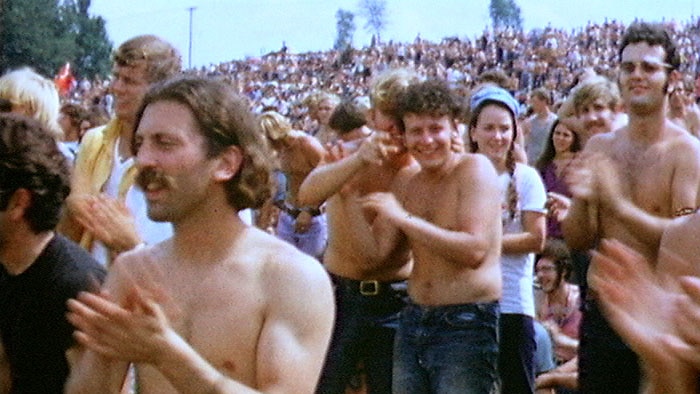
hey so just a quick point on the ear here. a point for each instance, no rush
(229, 164)
(18, 204)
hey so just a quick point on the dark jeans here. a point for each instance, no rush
(605, 363)
(364, 332)
(516, 363)
(447, 349)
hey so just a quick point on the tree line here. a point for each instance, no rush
(46, 34)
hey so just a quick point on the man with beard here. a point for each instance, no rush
(221, 307)
(659, 167)
(105, 213)
(39, 270)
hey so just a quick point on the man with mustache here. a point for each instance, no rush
(105, 213)
(221, 307)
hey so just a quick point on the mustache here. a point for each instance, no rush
(149, 176)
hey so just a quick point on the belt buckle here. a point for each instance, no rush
(369, 287)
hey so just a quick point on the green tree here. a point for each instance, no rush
(93, 45)
(345, 26)
(374, 12)
(45, 34)
(505, 13)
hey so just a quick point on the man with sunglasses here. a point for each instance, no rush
(659, 167)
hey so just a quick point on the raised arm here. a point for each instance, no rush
(328, 178)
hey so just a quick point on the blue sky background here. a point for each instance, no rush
(233, 29)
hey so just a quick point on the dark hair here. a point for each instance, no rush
(30, 159)
(224, 120)
(347, 116)
(653, 34)
(5, 105)
(558, 252)
(431, 97)
(75, 113)
(549, 152)
(512, 193)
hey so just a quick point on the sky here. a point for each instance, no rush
(223, 30)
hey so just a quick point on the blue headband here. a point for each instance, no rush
(494, 93)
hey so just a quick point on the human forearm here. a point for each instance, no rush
(327, 179)
(520, 243)
(460, 247)
(645, 227)
(579, 226)
(93, 373)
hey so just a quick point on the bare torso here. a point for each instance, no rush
(650, 175)
(343, 256)
(436, 280)
(219, 307)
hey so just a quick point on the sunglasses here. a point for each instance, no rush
(647, 67)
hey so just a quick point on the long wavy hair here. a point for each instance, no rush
(549, 152)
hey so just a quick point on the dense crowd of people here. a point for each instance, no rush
(503, 214)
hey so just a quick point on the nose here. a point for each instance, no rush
(145, 157)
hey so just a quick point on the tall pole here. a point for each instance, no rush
(189, 53)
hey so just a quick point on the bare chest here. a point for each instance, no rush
(647, 176)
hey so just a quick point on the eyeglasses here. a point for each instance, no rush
(647, 67)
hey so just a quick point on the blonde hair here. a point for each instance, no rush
(24, 87)
(388, 86)
(162, 60)
(314, 100)
(595, 88)
(274, 125)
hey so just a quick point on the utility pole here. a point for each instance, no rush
(189, 54)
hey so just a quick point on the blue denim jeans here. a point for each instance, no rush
(312, 242)
(367, 316)
(447, 349)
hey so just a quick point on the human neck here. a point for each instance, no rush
(126, 135)
(24, 251)
(208, 233)
(647, 127)
(563, 155)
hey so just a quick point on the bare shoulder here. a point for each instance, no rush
(284, 269)
(475, 165)
(601, 143)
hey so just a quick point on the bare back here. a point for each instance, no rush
(660, 177)
(463, 200)
(297, 161)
